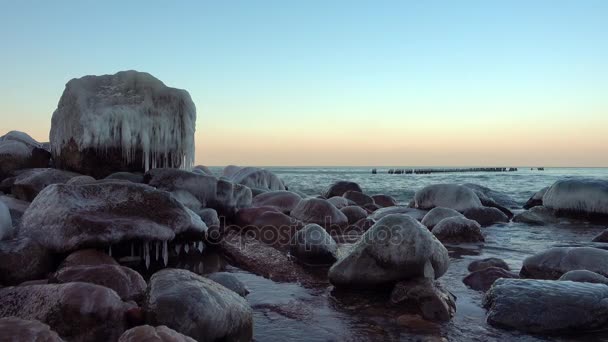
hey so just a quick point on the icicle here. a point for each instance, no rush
(165, 253)
(200, 268)
(157, 245)
(147, 254)
(200, 246)
(110, 250)
(186, 248)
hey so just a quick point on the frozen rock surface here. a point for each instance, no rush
(17, 329)
(147, 333)
(453, 196)
(6, 223)
(23, 259)
(313, 245)
(340, 187)
(554, 262)
(19, 151)
(29, 183)
(384, 200)
(486, 216)
(321, 212)
(437, 214)
(458, 229)
(284, 200)
(230, 282)
(537, 215)
(492, 196)
(578, 197)
(257, 178)
(416, 214)
(536, 199)
(584, 276)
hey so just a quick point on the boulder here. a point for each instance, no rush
(536, 199)
(23, 259)
(341, 187)
(538, 216)
(17, 329)
(65, 218)
(479, 265)
(230, 170)
(127, 176)
(601, 237)
(197, 307)
(358, 197)
(584, 276)
(432, 301)
(579, 198)
(486, 216)
(255, 177)
(29, 183)
(524, 304)
(229, 281)
(458, 229)
(414, 213)
(76, 311)
(554, 262)
(437, 214)
(493, 197)
(354, 213)
(384, 200)
(215, 228)
(314, 246)
(16, 207)
(284, 200)
(268, 225)
(340, 202)
(321, 212)
(396, 248)
(129, 121)
(482, 280)
(203, 169)
(371, 207)
(453, 196)
(149, 333)
(80, 180)
(20, 151)
(6, 222)
(87, 257)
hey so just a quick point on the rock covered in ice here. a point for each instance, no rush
(584, 276)
(17, 329)
(23, 259)
(492, 198)
(128, 176)
(578, 197)
(358, 197)
(321, 212)
(414, 213)
(384, 200)
(537, 215)
(16, 207)
(483, 279)
(129, 121)
(19, 151)
(340, 202)
(354, 213)
(313, 245)
(87, 257)
(536, 199)
(6, 223)
(229, 281)
(437, 214)
(458, 229)
(430, 299)
(284, 200)
(255, 178)
(340, 187)
(203, 169)
(479, 265)
(453, 196)
(486, 216)
(268, 225)
(554, 262)
(153, 334)
(30, 182)
(64, 218)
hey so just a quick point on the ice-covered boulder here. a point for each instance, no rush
(203, 169)
(321, 212)
(17, 329)
(537, 215)
(129, 121)
(354, 213)
(458, 229)
(486, 216)
(481, 264)
(313, 245)
(536, 199)
(65, 218)
(416, 214)
(268, 225)
(87, 257)
(384, 200)
(483, 279)
(257, 178)
(492, 197)
(340, 187)
(453, 196)
(358, 197)
(129, 176)
(23, 259)
(153, 334)
(229, 281)
(428, 297)
(20, 151)
(6, 223)
(437, 214)
(284, 200)
(554, 262)
(30, 182)
(16, 207)
(578, 197)
(584, 276)
(340, 202)
(396, 248)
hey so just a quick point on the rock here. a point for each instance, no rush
(537, 215)
(314, 246)
(584, 276)
(536, 199)
(6, 223)
(268, 225)
(371, 207)
(396, 248)
(492, 196)
(458, 229)
(358, 197)
(17, 329)
(65, 218)
(579, 198)
(151, 334)
(203, 169)
(523, 304)
(321, 212)
(554, 262)
(197, 307)
(437, 214)
(22, 260)
(254, 177)
(432, 301)
(230, 171)
(129, 121)
(213, 223)
(87, 257)
(16, 207)
(417, 323)
(340, 202)
(128, 284)
(29, 183)
(80, 180)
(482, 280)
(187, 199)
(128, 176)
(230, 282)
(354, 213)
(416, 214)
(223, 196)
(384, 200)
(341, 187)
(19, 151)
(283, 200)
(76, 311)
(486, 216)
(479, 265)
(601, 237)
(453, 196)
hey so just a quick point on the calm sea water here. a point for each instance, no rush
(290, 312)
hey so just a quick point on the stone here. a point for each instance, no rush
(432, 301)
(340, 187)
(354, 213)
(482, 280)
(16, 208)
(230, 282)
(203, 169)
(268, 225)
(437, 214)
(23, 259)
(416, 214)
(584, 276)
(358, 197)
(87, 257)
(283, 200)
(554, 262)
(17, 329)
(149, 333)
(6, 222)
(486, 216)
(453, 196)
(537, 215)
(458, 229)
(255, 177)
(579, 198)
(312, 245)
(128, 176)
(479, 265)
(321, 212)
(29, 183)
(340, 202)
(536, 199)
(20, 151)
(492, 196)
(384, 200)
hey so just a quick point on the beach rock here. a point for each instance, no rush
(371, 207)
(187, 199)
(65, 218)
(268, 225)
(149, 333)
(341, 187)
(482, 280)
(6, 222)
(479, 265)
(17, 329)
(127, 176)
(601, 237)
(29, 183)
(492, 197)
(536, 199)
(215, 229)
(20, 151)
(523, 304)
(584, 276)
(453, 196)
(230, 170)
(432, 301)
(340, 202)
(314, 246)
(358, 197)
(321, 212)
(197, 307)
(255, 177)
(203, 169)
(80, 180)
(437, 214)
(486, 216)
(414, 213)
(396, 248)
(223, 196)
(16, 207)
(229, 281)
(578, 198)
(384, 201)
(538, 216)
(285, 201)
(458, 229)
(354, 213)
(76, 311)
(87, 257)
(23, 259)
(129, 121)
(554, 262)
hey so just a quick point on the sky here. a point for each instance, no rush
(361, 83)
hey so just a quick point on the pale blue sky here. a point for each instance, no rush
(335, 82)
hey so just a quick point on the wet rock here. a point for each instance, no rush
(479, 265)
(321, 212)
(29, 183)
(16, 207)
(76, 311)
(203, 169)
(432, 301)
(256, 178)
(187, 199)
(554, 262)
(230, 282)
(313, 245)
(127, 176)
(6, 223)
(213, 223)
(482, 280)
(584, 276)
(492, 196)
(536, 199)
(384, 201)
(601, 237)
(87, 257)
(80, 180)
(453, 196)
(17, 329)
(437, 214)
(19, 151)
(458, 229)
(524, 304)
(149, 333)
(579, 198)
(341, 187)
(538, 215)
(417, 323)
(197, 307)
(340, 202)
(22, 260)
(416, 214)
(230, 170)
(396, 248)
(268, 225)
(354, 213)
(65, 218)
(371, 207)
(358, 197)
(486, 216)
(283, 200)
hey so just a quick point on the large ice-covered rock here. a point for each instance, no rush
(129, 121)
(6, 223)
(453, 196)
(584, 276)
(578, 197)
(536, 199)
(554, 262)
(256, 178)
(19, 151)
(492, 197)
(537, 215)
(414, 213)
(64, 218)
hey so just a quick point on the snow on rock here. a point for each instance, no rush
(453, 196)
(129, 121)
(255, 178)
(579, 197)
(19, 151)
(554, 262)
(6, 223)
